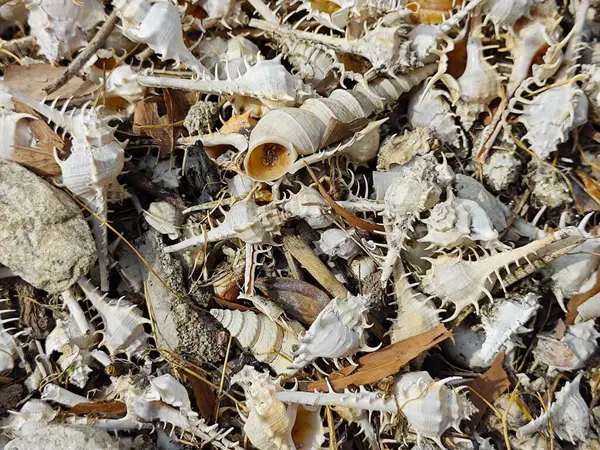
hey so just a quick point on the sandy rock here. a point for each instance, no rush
(44, 238)
(63, 437)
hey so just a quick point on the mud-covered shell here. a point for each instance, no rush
(268, 341)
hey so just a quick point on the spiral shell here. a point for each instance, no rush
(268, 341)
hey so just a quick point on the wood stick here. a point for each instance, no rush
(85, 55)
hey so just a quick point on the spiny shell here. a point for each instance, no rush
(573, 349)
(504, 13)
(464, 283)
(164, 218)
(60, 26)
(309, 204)
(569, 415)
(338, 243)
(548, 125)
(123, 330)
(32, 416)
(245, 220)
(337, 332)
(14, 132)
(415, 314)
(457, 221)
(429, 406)
(167, 389)
(401, 149)
(9, 347)
(157, 25)
(268, 341)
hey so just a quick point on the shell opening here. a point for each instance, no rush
(270, 160)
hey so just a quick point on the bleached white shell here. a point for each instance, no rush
(309, 205)
(504, 13)
(164, 218)
(9, 347)
(268, 341)
(157, 25)
(14, 132)
(60, 26)
(62, 396)
(33, 415)
(167, 389)
(123, 330)
(571, 351)
(569, 415)
(338, 243)
(338, 331)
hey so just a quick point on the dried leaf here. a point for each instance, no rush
(30, 80)
(490, 385)
(41, 158)
(387, 361)
(592, 189)
(300, 300)
(148, 121)
(112, 408)
(204, 397)
(176, 111)
(237, 123)
(579, 299)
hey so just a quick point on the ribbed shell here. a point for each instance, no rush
(268, 341)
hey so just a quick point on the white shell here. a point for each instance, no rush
(33, 415)
(309, 204)
(62, 396)
(464, 283)
(157, 25)
(164, 218)
(167, 389)
(573, 349)
(569, 415)
(337, 243)
(268, 341)
(9, 347)
(504, 13)
(123, 330)
(401, 149)
(337, 332)
(60, 26)
(14, 132)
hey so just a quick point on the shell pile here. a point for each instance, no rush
(303, 224)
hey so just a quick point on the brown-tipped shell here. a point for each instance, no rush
(432, 11)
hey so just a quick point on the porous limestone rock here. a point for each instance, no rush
(63, 437)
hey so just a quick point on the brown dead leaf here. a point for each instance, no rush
(30, 80)
(237, 123)
(590, 185)
(490, 385)
(112, 408)
(387, 361)
(579, 299)
(41, 158)
(204, 397)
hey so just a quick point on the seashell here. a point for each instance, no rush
(569, 415)
(271, 424)
(274, 147)
(123, 330)
(268, 81)
(337, 332)
(309, 205)
(432, 11)
(33, 415)
(591, 88)
(96, 160)
(571, 351)
(57, 36)
(502, 323)
(464, 283)
(428, 108)
(122, 83)
(414, 313)
(15, 133)
(366, 145)
(430, 407)
(505, 13)
(337, 243)
(457, 221)
(62, 396)
(300, 300)
(157, 25)
(245, 220)
(239, 185)
(589, 310)
(470, 189)
(361, 419)
(362, 267)
(401, 149)
(166, 388)
(265, 306)
(404, 200)
(480, 83)
(164, 218)
(268, 341)
(549, 126)
(10, 348)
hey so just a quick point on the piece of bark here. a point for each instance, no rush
(112, 408)
(311, 262)
(387, 361)
(490, 385)
(204, 397)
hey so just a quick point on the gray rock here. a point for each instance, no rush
(44, 238)
(63, 437)
(180, 327)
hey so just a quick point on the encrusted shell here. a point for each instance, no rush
(337, 332)
(338, 243)
(401, 149)
(568, 415)
(268, 341)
